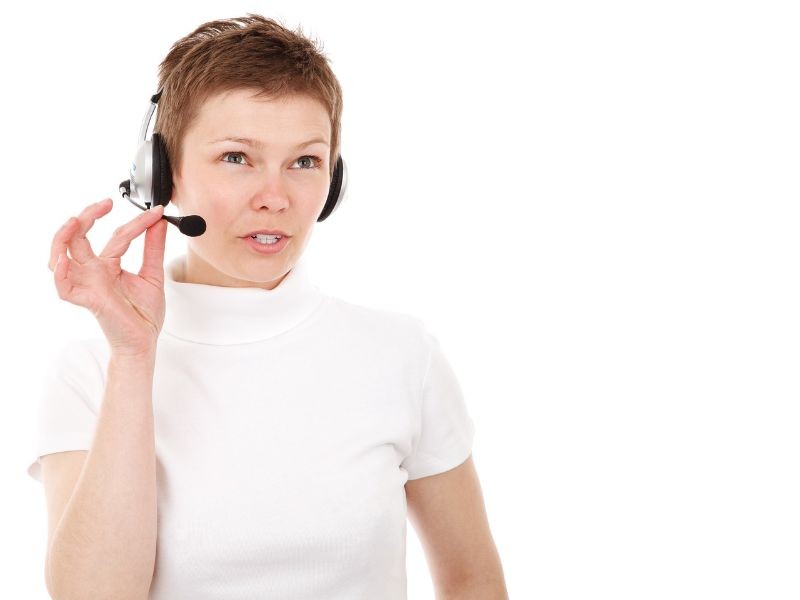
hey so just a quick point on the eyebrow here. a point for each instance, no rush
(258, 144)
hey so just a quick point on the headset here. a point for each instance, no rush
(151, 179)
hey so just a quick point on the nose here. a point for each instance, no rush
(271, 191)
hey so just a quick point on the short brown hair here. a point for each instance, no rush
(246, 52)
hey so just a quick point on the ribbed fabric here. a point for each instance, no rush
(211, 314)
(287, 423)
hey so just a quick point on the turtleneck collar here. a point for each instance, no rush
(211, 314)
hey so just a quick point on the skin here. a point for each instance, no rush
(448, 513)
(238, 187)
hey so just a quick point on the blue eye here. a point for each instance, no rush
(241, 154)
(316, 162)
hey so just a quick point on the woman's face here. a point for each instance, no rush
(268, 179)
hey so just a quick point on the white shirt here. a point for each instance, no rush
(287, 423)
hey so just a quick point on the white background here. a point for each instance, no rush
(594, 206)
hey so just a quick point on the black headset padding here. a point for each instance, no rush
(334, 190)
(162, 172)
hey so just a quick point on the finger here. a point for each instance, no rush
(153, 261)
(60, 239)
(78, 245)
(60, 276)
(124, 235)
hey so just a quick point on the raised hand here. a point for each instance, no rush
(130, 308)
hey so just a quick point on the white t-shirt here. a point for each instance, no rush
(287, 422)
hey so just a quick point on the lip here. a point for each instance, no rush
(267, 248)
(267, 232)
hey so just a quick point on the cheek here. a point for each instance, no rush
(318, 197)
(214, 205)
(209, 196)
(221, 216)
(309, 211)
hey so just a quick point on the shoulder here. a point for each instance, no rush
(386, 326)
(74, 376)
(81, 357)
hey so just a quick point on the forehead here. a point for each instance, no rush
(240, 111)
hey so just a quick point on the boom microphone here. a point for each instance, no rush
(191, 225)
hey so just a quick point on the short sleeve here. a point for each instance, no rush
(69, 399)
(446, 429)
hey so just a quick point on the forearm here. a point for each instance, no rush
(105, 543)
(488, 590)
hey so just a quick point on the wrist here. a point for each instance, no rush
(144, 358)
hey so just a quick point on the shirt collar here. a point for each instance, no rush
(211, 314)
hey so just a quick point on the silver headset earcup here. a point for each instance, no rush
(142, 174)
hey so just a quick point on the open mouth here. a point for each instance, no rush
(267, 244)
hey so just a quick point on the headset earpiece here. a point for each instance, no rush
(336, 191)
(162, 172)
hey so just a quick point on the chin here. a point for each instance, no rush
(265, 274)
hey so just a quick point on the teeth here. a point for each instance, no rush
(266, 239)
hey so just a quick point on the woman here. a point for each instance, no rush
(280, 440)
